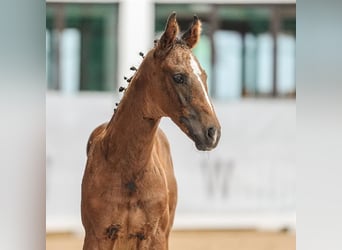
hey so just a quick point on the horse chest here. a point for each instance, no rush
(142, 198)
(136, 204)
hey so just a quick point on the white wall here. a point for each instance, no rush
(247, 181)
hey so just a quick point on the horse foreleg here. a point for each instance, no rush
(91, 242)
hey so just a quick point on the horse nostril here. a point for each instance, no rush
(211, 133)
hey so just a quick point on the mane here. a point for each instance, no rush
(128, 80)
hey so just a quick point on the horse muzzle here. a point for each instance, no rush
(208, 139)
(205, 138)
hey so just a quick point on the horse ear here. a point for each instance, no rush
(192, 35)
(170, 33)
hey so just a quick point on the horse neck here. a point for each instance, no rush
(130, 133)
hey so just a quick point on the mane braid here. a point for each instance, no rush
(123, 89)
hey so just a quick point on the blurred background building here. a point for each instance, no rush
(248, 50)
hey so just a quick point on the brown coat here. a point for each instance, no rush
(129, 191)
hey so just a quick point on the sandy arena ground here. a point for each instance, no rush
(200, 240)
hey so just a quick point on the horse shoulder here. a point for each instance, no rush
(91, 178)
(164, 154)
(163, 141)
(163, 150)
(94, 134)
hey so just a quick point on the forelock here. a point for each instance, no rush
(177, 42)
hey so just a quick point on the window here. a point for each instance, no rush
(81, 46)
(247, 50)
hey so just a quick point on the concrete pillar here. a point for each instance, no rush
(136, 33)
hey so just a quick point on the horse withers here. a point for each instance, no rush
(129, 191)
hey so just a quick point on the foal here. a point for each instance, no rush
(129, 190)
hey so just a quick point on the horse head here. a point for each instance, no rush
(178, 84)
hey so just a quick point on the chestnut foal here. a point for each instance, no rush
(129, 190)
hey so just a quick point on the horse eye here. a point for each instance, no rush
(179, 78)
